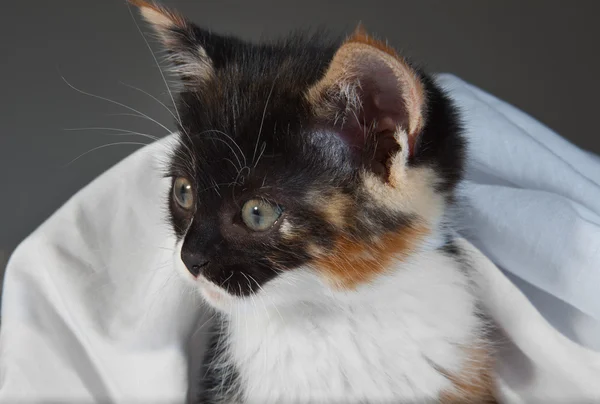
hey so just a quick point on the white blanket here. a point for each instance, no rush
(93, 311)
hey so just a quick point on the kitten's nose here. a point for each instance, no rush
(194, 262)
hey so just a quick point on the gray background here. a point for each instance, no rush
(542, 56)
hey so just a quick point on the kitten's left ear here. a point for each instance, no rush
(184, 42)
(373, 99)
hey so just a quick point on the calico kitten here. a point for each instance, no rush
(310, 189)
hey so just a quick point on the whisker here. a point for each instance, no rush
(230, 138)
(222, 284)
(156, 61)
(232, 163)
(122, 132)
(262, 121)
(127, 114)
(102, 147)
(132, 115)
(115, 103)
(216, 187)
(191, 155)
(230, 147)
(154, 98)
(264, 146)
(203, 325)
(162, 75)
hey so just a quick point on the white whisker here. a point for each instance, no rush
(154, 98)
(115, 103)
(122, 132)
(162, 75)
(230, 138)
(102, 147)
(203, 325)
(230, 148)
(262, 121)
(157, 64)
(264, 146)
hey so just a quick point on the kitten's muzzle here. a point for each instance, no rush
(194, 262)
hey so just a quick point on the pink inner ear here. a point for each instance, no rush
(382, 100)
(370, 128)
(376, 93)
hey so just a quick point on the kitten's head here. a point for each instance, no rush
(302, 159)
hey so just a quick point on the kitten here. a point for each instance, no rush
(310, 189)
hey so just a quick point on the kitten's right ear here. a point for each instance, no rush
(184, 42)
(375, 101)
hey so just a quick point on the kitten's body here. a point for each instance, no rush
(310, 190)
(413, 336)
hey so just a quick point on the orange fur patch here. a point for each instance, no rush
(334, 208)
(360, 35)
(352, 263)
(474, 384)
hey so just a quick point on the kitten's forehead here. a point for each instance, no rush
(252, 124)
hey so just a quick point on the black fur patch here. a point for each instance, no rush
(451, 249)
(220, 382)
(249, 132)
(441, 144)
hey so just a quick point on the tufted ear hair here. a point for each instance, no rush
(187, 45)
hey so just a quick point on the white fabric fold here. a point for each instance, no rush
(534, 199)
(93, 311)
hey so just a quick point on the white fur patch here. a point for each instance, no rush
(297, 341)
(286, 228)
(410, 191)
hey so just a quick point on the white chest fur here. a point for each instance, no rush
(384, 342)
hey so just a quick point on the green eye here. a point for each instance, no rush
(259, 215)
(183, 193)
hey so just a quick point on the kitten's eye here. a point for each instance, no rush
(259, 215)
(183, 193)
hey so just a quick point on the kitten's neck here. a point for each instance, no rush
(407, 324)
(424, 277)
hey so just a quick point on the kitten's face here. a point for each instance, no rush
(302, 160)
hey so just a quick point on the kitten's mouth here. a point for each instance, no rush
(212, 293)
